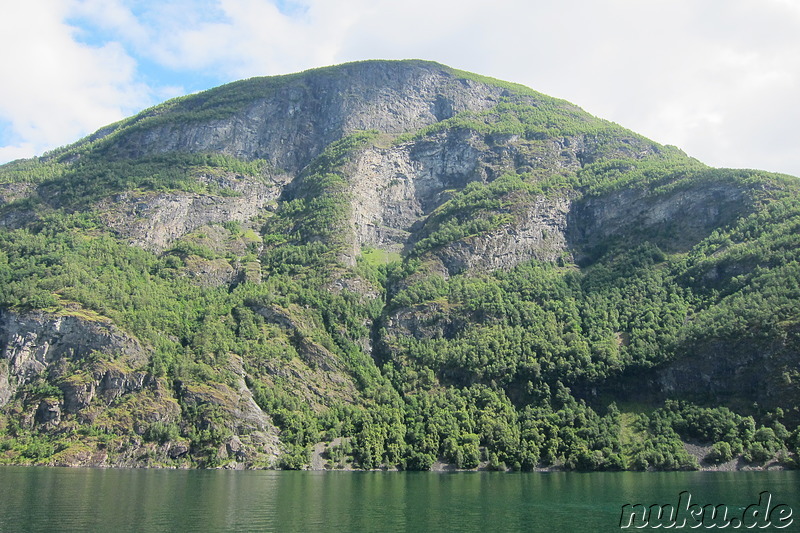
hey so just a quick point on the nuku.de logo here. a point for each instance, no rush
(692, 515)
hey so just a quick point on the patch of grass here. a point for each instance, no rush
(377, 256)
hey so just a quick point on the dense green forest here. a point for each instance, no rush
(592, 361)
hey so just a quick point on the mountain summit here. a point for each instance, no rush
(393, 264)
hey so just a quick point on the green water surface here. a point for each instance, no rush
(53, 499)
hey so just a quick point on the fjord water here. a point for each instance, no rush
(53, 499)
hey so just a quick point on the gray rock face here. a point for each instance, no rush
(253, 433)
(394, 189)
(538, 233)
(116, 382)
(6, 390)
(426, 321)
(722, 371)
(48, 413)
(37, 344)
(155, 220)
(78, 394)
(31, 343)
(288, 122)
(210, 273)
(10, 192)
(684, 216)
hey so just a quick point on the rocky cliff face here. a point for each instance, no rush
(294, 279)
(288, 121)
(678, 218)
(156, 220)
(38, 347)
(537, 232)
(33, 344)
(394, 189)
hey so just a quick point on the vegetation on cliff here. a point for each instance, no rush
(668, 313)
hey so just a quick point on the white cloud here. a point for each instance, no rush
(715, 77)
(55, 89)
(113, 16)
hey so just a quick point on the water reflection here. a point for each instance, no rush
(50, 499)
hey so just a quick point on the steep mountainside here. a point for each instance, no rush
(393, 264)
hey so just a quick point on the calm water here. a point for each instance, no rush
(52, 499)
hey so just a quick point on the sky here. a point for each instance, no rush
(720, 79)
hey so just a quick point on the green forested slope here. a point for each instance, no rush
(670, 311)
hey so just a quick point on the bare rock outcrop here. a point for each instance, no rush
(394, 189)
(253, 435)
(289, 120)
(155, 220)
(677, 217)
(539, 232)
(33, 342)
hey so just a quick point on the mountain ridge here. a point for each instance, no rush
(416, 263)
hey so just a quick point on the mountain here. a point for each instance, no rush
(394, 264)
